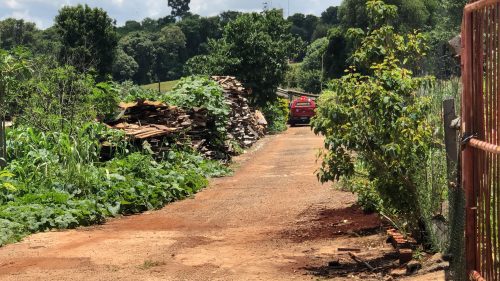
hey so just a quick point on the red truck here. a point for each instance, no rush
(301, 111)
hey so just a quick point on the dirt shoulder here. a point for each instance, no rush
(272, 220)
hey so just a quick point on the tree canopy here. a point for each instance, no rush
(88, 38)
(255, 48)
(179, 7)
(17, 32)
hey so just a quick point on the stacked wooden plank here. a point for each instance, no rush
(161, 125)
(245, 126)
(148, 119)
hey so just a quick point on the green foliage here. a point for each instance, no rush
(198, 31)
(379, 120)
(292, 76)
(202, 92)
(412, 14)
(17, 32)
(331, 16)
(124, 66)
(15, 68)
(276, 114)
(337, 54)
(304, 26)
(454, 13)
(140, 47)
(311, 81)
(312, 68)
(55, 180)
(130, 92)
(56, 99)
(179, 7)
(88, 38)
(255, 48)
(105, 98)
(145, 57)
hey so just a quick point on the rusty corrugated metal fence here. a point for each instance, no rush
(481, 137)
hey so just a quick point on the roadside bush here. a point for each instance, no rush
(56, 99)
(292, 76)
(378, 119)
(276, 114)
(105, 98)
(15, 69)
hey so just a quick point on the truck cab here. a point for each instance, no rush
(301, 111)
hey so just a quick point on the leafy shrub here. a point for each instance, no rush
(56, 99)
(130, 92)
(276, 114)
(311, 81)
(379, 119)
(292, 76)
(311, 70)
(105, 98)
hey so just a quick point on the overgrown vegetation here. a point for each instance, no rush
(380, 115)
(55, 175)
(201, 92)
(375, 123)
(277, 115)
(56, 180)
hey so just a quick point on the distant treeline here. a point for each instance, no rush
(157, 49)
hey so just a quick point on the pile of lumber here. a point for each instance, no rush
(161, 125)
(245, 125)
(148, 119)
(153, 122)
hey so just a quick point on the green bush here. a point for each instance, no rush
(276, 114)
(105, 98)
(129, 92)
(292, 76)
(378, 119)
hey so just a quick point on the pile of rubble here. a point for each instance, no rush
(162, 125)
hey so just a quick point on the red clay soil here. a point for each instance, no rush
(331, 223)
(240, 228)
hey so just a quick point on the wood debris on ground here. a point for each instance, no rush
(161, 125)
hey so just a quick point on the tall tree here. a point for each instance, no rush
(179, 7)
(14, 32)
(170, 47)
(412, 14)
(88, 38)
(141, 48)
(256, 49)
(330, 16)
(454, 10)
(312, 68)
(197, 31)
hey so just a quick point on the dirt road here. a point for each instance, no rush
(271, 221)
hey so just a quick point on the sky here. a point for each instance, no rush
(42, 12)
